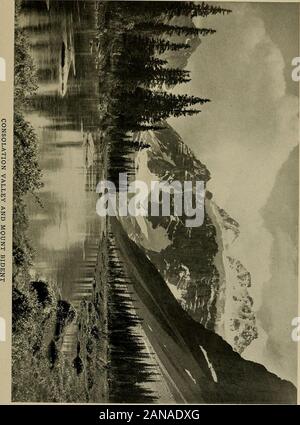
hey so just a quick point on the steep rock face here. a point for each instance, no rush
(235, 320)
(204, 368)
(206, 280)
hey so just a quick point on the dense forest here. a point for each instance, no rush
(135, 82)
(130, 367)
(134, 79)
(135, 85)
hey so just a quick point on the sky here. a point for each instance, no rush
(245, 135)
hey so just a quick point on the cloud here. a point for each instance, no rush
(248, 130)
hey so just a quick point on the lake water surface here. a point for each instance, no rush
(64, 222)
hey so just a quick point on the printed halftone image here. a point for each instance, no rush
(155, 202)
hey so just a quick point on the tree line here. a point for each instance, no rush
(130, 364)
(132, 39)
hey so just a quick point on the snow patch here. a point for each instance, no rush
(190, 375)
(211, 368)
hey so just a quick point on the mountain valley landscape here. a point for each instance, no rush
(143, 308)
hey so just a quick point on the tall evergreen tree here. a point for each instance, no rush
(161, 45)
(187, 8)
(154, 45)
(153, 106)
(170, 9)
(162, 28)
(205, 9)
(172, 76)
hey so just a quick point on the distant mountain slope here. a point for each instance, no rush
(281, 219)
(201, 366)
(196, 262)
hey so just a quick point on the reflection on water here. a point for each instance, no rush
(64, 114)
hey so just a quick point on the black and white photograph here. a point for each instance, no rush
(155, 202)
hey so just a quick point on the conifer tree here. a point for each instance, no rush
(159, 28)
(187, 8)
(170, 9)
(152, 45)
